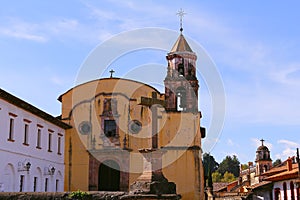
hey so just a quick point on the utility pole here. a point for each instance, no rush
(298, 161)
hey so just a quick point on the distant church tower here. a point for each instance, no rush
(263, 159)
(181, 84)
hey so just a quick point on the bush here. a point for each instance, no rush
(79, 195)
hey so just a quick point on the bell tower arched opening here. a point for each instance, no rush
(181, 99)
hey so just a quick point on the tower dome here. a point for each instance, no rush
(262, 152)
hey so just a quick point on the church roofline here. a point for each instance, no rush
(100, 79)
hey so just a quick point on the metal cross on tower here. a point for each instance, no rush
(181, 13)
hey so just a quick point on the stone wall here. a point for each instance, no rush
(92, 196)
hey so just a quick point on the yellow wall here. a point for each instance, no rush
(176, 129)
(182, 171)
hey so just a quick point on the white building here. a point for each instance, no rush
(31, 147)
(285, 181)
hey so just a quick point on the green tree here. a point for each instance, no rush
(230, 164)
(228, 177)
(245, 166)
(277, 162)
(209, 162)
(216, 177)
(210, 165)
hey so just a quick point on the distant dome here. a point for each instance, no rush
(262, 148)
(262, 153)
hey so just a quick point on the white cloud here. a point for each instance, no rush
(288, 75)
(288, 149)
(58, 28)
(232, 153)
(287, 152)
(100, 14)
(288, 143)
(22, 30)
(22, 35)
(57, 80)
(230, 142)
(60, 25)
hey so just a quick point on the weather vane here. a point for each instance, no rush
(181, 13)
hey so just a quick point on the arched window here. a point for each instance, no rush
(181, 69)
(181, 99)
(284, 191)
(191, 72)
(110, 128)
(292, 190)
(297, 191)
(265, 168)
(267, 155)
(277, 194)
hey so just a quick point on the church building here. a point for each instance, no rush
(117, 123)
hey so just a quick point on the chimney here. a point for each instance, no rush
(250, 164)
(289, 164)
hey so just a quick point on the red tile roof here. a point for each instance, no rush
(283, 175)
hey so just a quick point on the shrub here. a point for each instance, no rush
(79, 195)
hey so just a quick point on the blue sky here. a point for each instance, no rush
(254, 45)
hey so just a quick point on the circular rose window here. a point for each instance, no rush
(85, 127)
(135, 126)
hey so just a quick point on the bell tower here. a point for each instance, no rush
(181, 84)
(263, 160)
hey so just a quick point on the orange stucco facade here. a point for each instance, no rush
(110, 126)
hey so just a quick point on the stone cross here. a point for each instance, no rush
(152, 103)
(111, 73)
(262, 142)
(152, 179)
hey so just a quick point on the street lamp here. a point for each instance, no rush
(24, 166)
(49, 170)
(27, 166)
(52, 170)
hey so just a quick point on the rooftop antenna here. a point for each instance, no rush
(181, 13)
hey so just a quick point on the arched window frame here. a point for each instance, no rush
(181, 69)
(277, 195)
(284, 191)
(292, 189)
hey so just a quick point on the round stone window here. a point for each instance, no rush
(85, 127)
(135, 126)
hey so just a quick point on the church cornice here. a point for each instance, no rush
(105, 94)
(195, 147)
(105, 79)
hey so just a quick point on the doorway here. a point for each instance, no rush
(109, 176)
